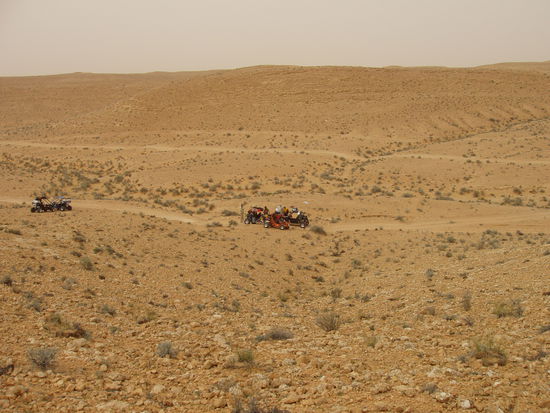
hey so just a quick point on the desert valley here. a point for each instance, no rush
(421, 284)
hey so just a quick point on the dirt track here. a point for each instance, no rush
(530, 220)
(217, 149)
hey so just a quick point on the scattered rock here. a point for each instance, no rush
(291, 399)
(443, 397)
(157, 389)
(465, 404)
(15, 391)
(113, 405)
(381, 388)
(219, 403)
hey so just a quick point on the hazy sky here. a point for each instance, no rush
(60, 36)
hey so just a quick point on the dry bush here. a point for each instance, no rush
(318, 230)
(329, 321)
(467, 301)
(63, 328)
(371, 341)
(167, 349)
(486, 350)
(276, 333)
(508, 308)
(245, 356)
(43, 357)
(106, 309)
(86, 263)
(7, 280)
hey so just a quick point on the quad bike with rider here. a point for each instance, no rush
(300, 219)
(254, 215)
(43, 204)
(62, 203)
(277, 220)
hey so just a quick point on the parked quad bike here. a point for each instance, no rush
(300, 220)
(43, 204)
(254, 215)
(276, 221)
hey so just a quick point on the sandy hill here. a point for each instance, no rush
(524, 66)
(397, 103)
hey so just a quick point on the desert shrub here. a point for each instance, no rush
(167, 349)
(329, 321)
(245, 356)
(147, 317)
(371, 341)
(544, 329)
(428, 311)
(106, 309)
(429, 274)
(63, 328)
(36, 305)
(335, 293)
(86, 263)
(276, 333)
(508, 308)
(43, 357)
(318, 230)
(7, 280)
(467, 301)
(429, 388)
(13, 231)
(486, 350)
(228, 213)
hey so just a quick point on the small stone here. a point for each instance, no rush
(157, 388)
(381, 407)
(76, 343)
(442, 397)
(40, 374)
(103, 367)
(15, 391)
(465, 404)
(219, 403)
(113, 386)
(406, 390)
(113, 405)
(291, 399)
(382, 388)
(80, 385)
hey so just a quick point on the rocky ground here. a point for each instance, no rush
(421, 285)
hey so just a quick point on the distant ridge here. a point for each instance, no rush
(524, 66)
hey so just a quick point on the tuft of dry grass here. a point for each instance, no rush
(166, 349)
(42, 357)
(276, 333)
(329, 321)
(489, 352)
(318, 230)
(508, 308)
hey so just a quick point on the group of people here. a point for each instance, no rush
(281, 212)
